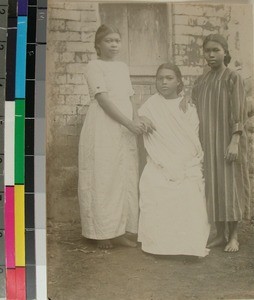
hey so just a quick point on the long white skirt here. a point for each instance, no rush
(173, 218)
(108, 177)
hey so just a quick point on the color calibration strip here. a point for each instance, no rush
(22, 155)
(3, 44)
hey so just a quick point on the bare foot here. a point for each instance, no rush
(131, 236)
(217, 241)
(232, 246)
(123, 241)
(104, 244)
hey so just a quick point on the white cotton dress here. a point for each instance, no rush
(108, 158)
(173, 217)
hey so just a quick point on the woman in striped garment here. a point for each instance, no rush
(219, 96)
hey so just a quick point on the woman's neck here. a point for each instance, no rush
(170, 97)
(220, 68)
(107, 58)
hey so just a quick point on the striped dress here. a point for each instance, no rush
(221, 105)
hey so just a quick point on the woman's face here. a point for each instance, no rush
(214, 54)
(109, 46)
(167, 83)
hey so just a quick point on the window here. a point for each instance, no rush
(144, 29)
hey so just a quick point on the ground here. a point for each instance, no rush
(77, 270)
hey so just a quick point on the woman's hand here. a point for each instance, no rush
(148, 124)
(183, 105)
(136, 127)
(232, 151)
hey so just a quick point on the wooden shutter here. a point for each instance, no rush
(144, 34)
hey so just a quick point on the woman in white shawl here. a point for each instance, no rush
(173, 217)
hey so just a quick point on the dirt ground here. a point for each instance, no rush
(77, 270)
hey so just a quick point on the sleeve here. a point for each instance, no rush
(237, 102)
(250, 106)
(95, 79)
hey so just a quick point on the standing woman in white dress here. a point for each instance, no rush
(108, 156)
(173, 218)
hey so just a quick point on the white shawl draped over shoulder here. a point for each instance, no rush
(175, 145)
(173, 217)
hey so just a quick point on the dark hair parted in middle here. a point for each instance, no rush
(176, 70)
(222, 41)
(101, 32)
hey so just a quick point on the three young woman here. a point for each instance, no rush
(173, 218)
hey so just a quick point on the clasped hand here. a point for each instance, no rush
(183, 105)
(142, 125)
(148, 126)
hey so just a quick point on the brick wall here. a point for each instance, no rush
(71, 30)
(192, 22)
